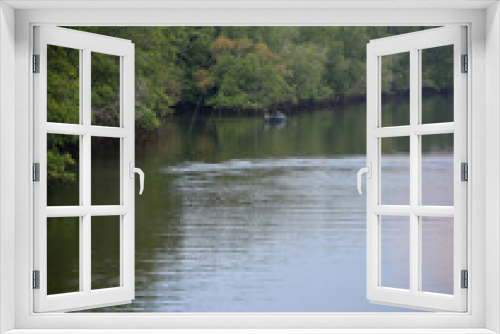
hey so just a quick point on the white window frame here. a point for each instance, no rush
(483, 125)
(86, 44)
(413, 44)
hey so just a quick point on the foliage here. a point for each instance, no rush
(235, 68)
(306, 64)
(61, 160)
(247, 75)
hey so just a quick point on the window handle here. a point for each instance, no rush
(368, 171)
(141, 175)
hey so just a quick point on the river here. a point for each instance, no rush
(238, 216)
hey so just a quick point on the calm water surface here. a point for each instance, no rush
(240, 217)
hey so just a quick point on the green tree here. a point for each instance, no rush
(247, 75)
(306, 64)
(225, 67)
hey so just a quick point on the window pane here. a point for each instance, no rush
(437, 169)
(63, 170)
(437, 254)
(395, 251)
(395, 78)
(105, 252)
(105, 89)
(437, 84)
(105, 171)
(63, 84)
(395, 171)
(63, 255)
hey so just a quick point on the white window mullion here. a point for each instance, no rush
(109, 132)
(98, 210)
(421, 210)
(86, 122)
(80, 140)
(372, 189)
(414, 170)
(85, 251)
(433, 211)
(419, 163)
(82, 263)
(460, 155)
(80, 130)
(85, 254)
(392, 210)
(127, 229)
(40, 156)
(392, 131)
(433, 129)
(420, 129)
(123, 165)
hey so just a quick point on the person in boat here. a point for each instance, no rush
(275, 116)
(279, 114)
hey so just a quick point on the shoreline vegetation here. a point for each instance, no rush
(223, 71)
(190, 110)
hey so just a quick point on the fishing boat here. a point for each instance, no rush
(276, 117)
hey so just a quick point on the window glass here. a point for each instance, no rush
(437, 169)
(395, 171)
(395, 76)
(63, 170)
(63, 85)
(105, 251)
(105, 89)
(63, 255)
(437, 82)
(106, 171)
(437, 254)
(395, 251)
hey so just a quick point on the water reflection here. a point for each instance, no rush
(240, 218)
(261, 236)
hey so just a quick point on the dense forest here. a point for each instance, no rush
(238, 70)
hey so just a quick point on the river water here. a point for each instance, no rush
(238, 216)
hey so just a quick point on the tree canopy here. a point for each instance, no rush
(234, 68)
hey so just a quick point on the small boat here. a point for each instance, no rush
(276, 117)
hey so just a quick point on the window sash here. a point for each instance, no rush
(87, 43)
(413, 43)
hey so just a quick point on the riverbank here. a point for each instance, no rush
(211, 133)
(294, 108)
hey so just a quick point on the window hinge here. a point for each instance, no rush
(36, 279)
(465, 279)
(36, 63)
(36, 172)
(464, 171)
(465, 64)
